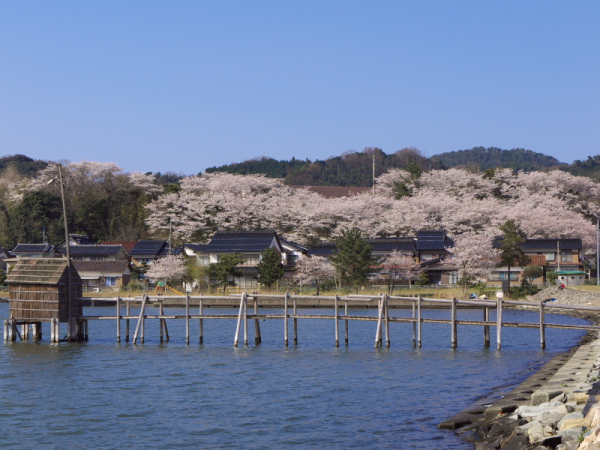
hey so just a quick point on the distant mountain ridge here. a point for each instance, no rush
(482, 158)
(356, 169)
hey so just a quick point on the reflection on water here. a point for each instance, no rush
(104, 394)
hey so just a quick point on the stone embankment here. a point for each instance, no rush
(558, 407)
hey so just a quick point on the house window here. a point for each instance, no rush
(427, 256)
(566, 257)
(110, 281)
(251, 259)
(453, 278)
(203, 260)
(292, 260)
(550, 256)
(92, 283)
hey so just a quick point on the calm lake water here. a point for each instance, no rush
(101, 394)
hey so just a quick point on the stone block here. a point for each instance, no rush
(571, 420)
(543, 396)
(580, 398)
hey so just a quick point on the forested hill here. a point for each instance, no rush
(356, 168)
(480, 158)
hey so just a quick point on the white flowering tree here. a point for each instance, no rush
(397, 267)
(170, 268)
(315, 270)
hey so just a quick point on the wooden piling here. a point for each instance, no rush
(140, 323)
(200, 312)
(386, 321)
(419, 321)
(336, 319)
(499, 324)
(454, 336)
(285, 319)
(257, 336)
(118, 319)
(187, 319)
(295, 310)
(346, 323)
(239, 323)
(542, 325)
(128, 313)
(486, 328)
(379, 324)
(245, 303)
(161, 321)
(414, 322)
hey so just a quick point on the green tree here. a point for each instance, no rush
(270, 269)
(511, 252)
(531, 273)
(223, 271)
(352, 259)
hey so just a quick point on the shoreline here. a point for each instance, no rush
(556, 407)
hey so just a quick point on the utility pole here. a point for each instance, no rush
(597, 252)
(373, 173)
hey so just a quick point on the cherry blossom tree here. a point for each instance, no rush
(315, 270)
(475, 255)
(170, 268)
(397, 267)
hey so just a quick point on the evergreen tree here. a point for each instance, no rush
(225, 269)
(270, 269)
(510, 247)
(353, 259)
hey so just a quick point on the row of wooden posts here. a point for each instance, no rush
(290, 311)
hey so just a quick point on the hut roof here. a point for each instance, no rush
(38, 271)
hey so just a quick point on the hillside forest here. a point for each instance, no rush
(107, 203)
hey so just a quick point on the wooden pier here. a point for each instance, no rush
(248, 310)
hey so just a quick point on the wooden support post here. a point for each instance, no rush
(86, 336)
(25, 332)
(54, 330)
(187, 319)
(140, 319)
(285, 319)
(454, 337)
(257, 338)
(6, 331)
(201, 311)
(386, 321)
(127, 312)
(542, 325)
(336, 319)
(239, 323)
(245, 301)
(118, 319)
(414, 323)
(295, 323)
(161, 321)
(379, 320)
(499, 325)
(346, 324)
(419, 321)
(486, 328)
(37, 331)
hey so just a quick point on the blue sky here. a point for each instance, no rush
(184, 85)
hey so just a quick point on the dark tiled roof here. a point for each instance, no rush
(431, 234)
(127, 245)
(92, 250)
(546, 244)
(149, 249)
(565, 244)
(33, 248)
(293, 244)
(233, 241)
(432, 240)
(322, 249)
(391, 244)
(101, 266)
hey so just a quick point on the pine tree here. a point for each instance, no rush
(270, 269)
(353, 259)
(511, 252)
(225, 269)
